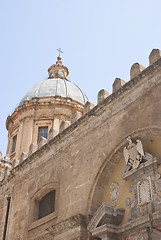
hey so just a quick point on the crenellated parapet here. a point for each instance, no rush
(100, 166)
(60, 114)
(137, 72)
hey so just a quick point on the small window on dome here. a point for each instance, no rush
(62, 74)
(56, 73)
(42, 132)
(14, 140)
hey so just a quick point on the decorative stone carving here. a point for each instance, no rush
(134, 153)
(142, 170)
(105, 221)
(144, 191)
(114, 192)
(71, 223)
(6, 166)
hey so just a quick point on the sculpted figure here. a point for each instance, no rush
(134, 153)
(114, 192)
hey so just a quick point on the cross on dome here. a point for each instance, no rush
(60, 51)
(58, 70)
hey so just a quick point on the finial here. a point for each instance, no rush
(60, 51)
(58, 70)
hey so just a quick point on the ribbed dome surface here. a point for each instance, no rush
(56, 87)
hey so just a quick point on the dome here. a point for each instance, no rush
(56, 87)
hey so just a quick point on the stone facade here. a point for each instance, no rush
(101, 193)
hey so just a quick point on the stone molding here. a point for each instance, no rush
(137, 227)
(105, 221)
(71, 223)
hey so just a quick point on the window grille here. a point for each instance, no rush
(42, 132)
(47, 204)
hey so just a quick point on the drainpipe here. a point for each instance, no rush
(6, 219)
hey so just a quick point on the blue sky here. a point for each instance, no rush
(100, 39)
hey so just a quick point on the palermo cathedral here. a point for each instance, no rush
(75, 171)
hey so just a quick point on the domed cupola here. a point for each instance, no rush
(48, 105)
(58, 70)
(57, 84)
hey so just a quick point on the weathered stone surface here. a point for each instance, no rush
(102, 95)
(23, 156)
(63, 126)
(42, 142)
(88, 106)
(52, 133)
(135, 70)
(32, 148)
(118, 83)
(83, 161)
(154, 56)
(75, 116)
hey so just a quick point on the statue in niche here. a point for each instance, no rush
(134, 153)
(114, 192)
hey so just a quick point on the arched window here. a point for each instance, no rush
(14, 144)
(46, 205)
(56, 73)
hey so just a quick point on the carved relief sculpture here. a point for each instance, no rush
(142, 172)
(144, 191)
(134, 153)
(114, 192)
